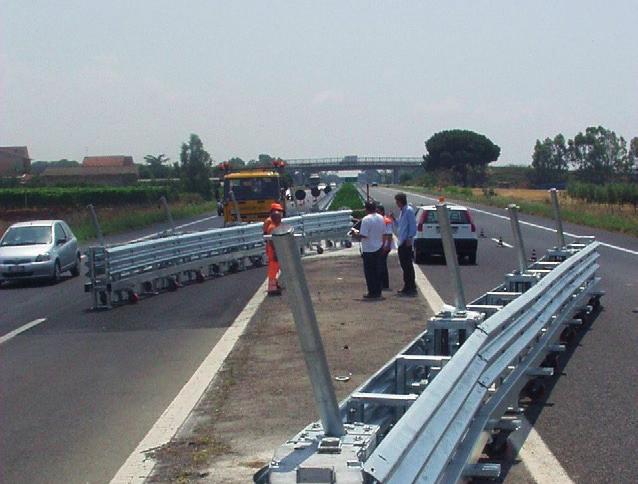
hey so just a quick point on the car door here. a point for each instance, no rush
(73, 241)
(62, 246)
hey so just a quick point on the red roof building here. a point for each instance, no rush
(14, 161)
(117, 160)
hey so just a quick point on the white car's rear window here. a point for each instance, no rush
(456, 217)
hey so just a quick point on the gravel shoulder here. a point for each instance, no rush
(262, 395)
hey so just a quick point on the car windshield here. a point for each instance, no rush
(456, 217)
(33, 235)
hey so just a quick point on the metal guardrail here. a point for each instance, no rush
(125, 272)
(432, 408)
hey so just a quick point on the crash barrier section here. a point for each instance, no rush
(123, 273)
(453, 393)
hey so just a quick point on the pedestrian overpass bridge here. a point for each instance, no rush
(354, 162)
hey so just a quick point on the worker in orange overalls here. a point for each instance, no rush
(270, 224)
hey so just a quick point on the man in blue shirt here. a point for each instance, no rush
(405, 228)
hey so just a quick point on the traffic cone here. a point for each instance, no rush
(500, 241)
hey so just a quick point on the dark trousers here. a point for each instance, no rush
(372, 272)
(405, 259)
(385, 277)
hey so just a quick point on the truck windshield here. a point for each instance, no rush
(253, 188)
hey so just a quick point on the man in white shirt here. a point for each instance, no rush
(371, 236)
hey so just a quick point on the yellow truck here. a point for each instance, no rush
(251, 192)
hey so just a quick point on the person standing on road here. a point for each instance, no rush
(388, 240)
(406, 231)
(270, 224)
(371, 236)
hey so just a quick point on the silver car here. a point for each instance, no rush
(41, 249)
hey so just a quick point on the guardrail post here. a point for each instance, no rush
(96, 224)
(167, 211)
(308, 330)
(235, 206)
(450, 255)
(559, 222)
(518, 237)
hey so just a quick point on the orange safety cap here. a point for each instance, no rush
(276, 207)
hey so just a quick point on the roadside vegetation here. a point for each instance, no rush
(36, 197)
(348, 197)
(596, 172)
(122, 219)
(114, 218)
(616, 218)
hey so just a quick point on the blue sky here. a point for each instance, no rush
(310, 79)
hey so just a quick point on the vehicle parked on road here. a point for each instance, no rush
(428, 236)
(40, 249)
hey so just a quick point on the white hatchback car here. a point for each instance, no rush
(428, 236)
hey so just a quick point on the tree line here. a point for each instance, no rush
(596, 156)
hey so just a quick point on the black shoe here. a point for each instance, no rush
(410, 293)
(371, 296)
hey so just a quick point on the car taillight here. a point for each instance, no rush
(424, 217)
(472, 226)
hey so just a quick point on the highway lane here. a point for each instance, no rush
(24, 301)
(81, 389)
(588, 418)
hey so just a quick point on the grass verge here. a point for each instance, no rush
(113, 220)
(123, 219)
(348, 197)
(575, 211)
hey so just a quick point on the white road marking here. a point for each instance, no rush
(537, 458)
(150, 236)
(530, 224)
(138, 466)
(534, 453)
(504, 244)
(21, 329)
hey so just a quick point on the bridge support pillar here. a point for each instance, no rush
(395, 176)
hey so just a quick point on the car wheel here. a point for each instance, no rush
(75, 270)
(57, 272)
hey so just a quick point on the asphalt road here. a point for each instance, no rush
(81, 389)
(589, 418)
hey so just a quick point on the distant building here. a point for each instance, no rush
(91, 175)
(112, 161)
(14, 161)
(115, 170)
